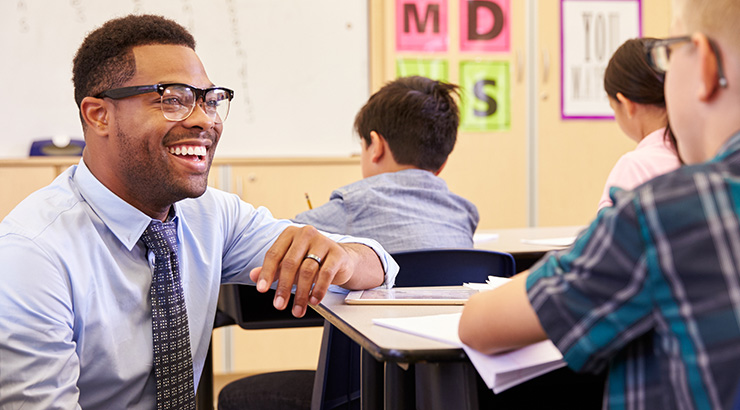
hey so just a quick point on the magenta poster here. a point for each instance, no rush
(421, 25)
(485, 25)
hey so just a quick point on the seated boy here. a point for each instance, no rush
(407, 130)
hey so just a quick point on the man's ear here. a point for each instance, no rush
(376, 147)
(708, 67)
(629, 105)
(95, 114)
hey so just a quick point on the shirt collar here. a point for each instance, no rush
(730, 146)
(126, 222)
(656, 137)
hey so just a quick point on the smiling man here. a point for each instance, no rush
(111, 274)
(651, 290)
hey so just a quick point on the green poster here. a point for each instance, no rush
(485, 96)
(434, 69)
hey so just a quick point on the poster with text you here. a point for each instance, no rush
(591, 30)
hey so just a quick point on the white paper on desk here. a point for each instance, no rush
(500, 371)
(484, 237)
(491, 283)
(563, 241)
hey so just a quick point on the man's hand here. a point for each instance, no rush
(351, 265)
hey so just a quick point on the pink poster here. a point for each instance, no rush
(421, 25)
(485, 25)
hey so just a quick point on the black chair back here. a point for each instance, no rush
(251, 309)
(449, 267)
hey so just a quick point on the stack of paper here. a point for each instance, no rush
(564, 241)
(491, 283)
(499, 371)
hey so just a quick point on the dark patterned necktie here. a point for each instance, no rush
(173, 364)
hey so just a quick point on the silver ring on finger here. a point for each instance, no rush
(317, 258)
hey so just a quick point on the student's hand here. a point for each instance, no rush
(351, 265)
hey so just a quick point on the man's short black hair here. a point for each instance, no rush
(105, 59)
(417, 116)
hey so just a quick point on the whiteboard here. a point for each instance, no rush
(299, 69)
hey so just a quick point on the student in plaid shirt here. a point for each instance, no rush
(651, 289)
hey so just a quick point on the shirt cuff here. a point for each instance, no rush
(390, 267)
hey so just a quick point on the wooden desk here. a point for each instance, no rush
(525, 254)
(403, 371)
(442, 377)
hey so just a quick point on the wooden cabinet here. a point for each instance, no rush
(280, 185)
(19, 178)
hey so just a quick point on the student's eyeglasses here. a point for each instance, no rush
(659, 53)
(178, 100)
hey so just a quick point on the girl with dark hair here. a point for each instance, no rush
(635, 93)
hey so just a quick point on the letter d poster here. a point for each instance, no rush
(485, 25)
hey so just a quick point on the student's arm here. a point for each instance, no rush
(501, 319)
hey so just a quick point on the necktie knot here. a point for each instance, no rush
(161, 237)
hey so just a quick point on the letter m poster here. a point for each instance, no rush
(421, 25)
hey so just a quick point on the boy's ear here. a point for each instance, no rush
(708, 66)
(376, 147)
(437, 172)
(629, 106)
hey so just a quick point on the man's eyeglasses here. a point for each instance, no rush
(659, 53)
(178, 100)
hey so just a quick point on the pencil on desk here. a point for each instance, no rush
(309, 201)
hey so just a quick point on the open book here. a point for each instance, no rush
(500, 371)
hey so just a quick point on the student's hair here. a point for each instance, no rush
(417, 116)
(716, 18)
(629, 73)
(105, 59)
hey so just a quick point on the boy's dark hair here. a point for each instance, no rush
(105, 59)
(417, 116)
(629, 73)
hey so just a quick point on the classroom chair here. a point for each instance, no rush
(336, 383)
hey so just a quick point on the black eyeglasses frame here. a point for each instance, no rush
(722, 80)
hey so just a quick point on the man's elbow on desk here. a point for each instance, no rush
(501, 319)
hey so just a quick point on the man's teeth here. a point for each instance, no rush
(188, 150)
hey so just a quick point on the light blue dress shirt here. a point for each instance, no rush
(75, 314)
